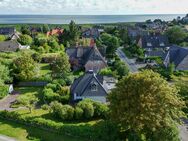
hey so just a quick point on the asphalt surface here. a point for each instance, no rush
(127, 61)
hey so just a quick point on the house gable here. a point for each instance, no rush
(89, 92)
(183, 65)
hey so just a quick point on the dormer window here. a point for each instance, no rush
(149, 44)
(93, 87)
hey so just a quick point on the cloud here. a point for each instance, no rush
(93, 6)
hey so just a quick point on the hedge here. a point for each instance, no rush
(102, 130)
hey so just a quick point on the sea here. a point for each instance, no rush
(82, 19)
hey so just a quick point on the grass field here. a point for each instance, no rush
(22, 133)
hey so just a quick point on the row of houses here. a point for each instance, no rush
(158, 45)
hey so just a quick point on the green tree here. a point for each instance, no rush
(28, 101)
(25, 39)
(144, 102)
(111, 42)
(45, 28)
(176, 35)
(123, 34)
(73, 32)
(60, 66)
(25, 30)
(24, 67)
(4, 73)
(121, 68)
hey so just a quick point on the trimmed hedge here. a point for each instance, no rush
(102, 130)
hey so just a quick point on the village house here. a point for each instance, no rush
(8, 31)
(11, 46)
(92, 86)
(178, 56)
(55, 31)
(93, 33)
(153, 42)
(134, 33)
(88, 58)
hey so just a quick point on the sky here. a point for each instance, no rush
(93, 7)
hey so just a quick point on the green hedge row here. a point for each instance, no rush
(102, 130)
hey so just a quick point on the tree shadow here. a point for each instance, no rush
(37, 134)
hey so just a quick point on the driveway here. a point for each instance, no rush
(5, 138)
(131, 64)
(184, 130)
(6, 102)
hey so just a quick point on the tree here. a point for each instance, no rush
(176, 35)
(61, 66)
(25, 39)
(73, 32)
(144, 102)
(45, 28)
(25, 30)
(24, 67)
(123, 34)
(3, 38)
(111, 42)
(4, 73)
(28, 101)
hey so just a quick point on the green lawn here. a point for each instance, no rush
(21, 133)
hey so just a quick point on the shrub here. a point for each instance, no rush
(49, 95)
(45, 107)
(101, 110)
(25, 39)
(3, 91)
(36, 57)
(78, 113)
(88, 109)
(64, 112)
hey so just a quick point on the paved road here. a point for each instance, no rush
(128, 62)
(5, 138)
(6, 102)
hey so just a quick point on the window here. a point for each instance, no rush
(93, 86)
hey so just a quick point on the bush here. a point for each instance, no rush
(25, 39)
(36, 57)
(101, 110)
(88, 109)
(49, 95)
(66, 112)
(45, 107)
(3, 91)
(63, 112)
(78, 113)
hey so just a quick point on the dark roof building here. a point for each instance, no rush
(91, 33)
(153, 41)
(88, 58)
(178, 56)
(9, 46)
(92, 86)
(9, 31)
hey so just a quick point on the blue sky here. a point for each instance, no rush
(93, 7)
